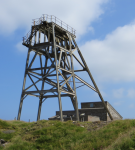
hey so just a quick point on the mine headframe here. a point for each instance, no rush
(53, 41)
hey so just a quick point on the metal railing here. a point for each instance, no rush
(49, 18)
(25, 38)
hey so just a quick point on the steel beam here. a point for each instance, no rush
(24, 81)
(41, 63)
(78, 61)
(40, 68)
(53, 96)
(33, 82)
(91, 77)
(41, 91)
(35, 37)
(75, 96)
(32, 60)
(39, 36)
(35, 73)
(44, 35)
(72, 100)
(31, 85)
(65, 64)
(65, 81)
(68, 61)
(60, 58)
(85, 83)
(58, 89)
(39, 109)
(63, 49)
(42, 88)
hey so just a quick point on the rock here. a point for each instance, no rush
(8, 131)
(4, 144)
(2, 141)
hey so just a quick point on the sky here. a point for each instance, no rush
(105, 34)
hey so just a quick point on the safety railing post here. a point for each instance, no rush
(43, 17)
(34, 22)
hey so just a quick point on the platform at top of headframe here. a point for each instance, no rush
(47, 20)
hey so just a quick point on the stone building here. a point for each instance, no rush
(90, 111)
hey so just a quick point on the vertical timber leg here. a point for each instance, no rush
(40, 103)
(44, 36)
(64, 66)
(72, 67)
(59, 92)
(39, 36)
(35, 37)
(24, 81)
(41, 97)
(39, 109)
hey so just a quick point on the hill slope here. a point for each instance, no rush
(56, 135)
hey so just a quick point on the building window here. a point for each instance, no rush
(91, 105)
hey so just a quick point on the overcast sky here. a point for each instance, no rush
(105, 33)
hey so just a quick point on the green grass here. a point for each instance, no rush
(56, 135)
(124, 142)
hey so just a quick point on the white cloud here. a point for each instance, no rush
(112, 58)
(78, 14)
(21, 48)
(118, 93)
(131, 93)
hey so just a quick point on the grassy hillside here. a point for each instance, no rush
(56, 135)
